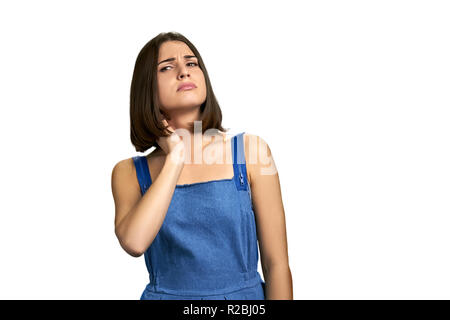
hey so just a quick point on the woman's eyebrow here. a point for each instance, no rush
(171, 59)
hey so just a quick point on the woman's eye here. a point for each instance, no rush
(164, 69)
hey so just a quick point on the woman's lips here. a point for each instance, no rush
(186, 86)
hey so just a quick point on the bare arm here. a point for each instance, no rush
(270, 218)
(139, 218)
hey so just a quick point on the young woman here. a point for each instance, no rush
(196, 207)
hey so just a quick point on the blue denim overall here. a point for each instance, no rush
(206, 248)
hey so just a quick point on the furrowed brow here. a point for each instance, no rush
(171, 59)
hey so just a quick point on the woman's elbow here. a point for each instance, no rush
(130, 248)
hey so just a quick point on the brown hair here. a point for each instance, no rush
(145, 114)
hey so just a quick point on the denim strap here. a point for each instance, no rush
(142, 172)
(239, 167)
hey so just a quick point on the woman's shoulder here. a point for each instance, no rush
(250, 139)
(127, 165)
(246, 135)
(256, 146)
(124, 174)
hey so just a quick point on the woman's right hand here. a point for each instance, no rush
(172, 145)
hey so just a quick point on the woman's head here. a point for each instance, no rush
(178, 65)
(163, 64)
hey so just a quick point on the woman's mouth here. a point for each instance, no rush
(186, 86)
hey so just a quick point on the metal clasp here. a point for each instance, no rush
(241, 178)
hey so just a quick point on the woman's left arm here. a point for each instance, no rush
(270, 218)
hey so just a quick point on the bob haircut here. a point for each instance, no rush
(145, 113)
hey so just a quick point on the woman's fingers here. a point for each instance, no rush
(165, 123)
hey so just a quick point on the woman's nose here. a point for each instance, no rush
(183, 73)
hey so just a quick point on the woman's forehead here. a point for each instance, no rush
(171, 48)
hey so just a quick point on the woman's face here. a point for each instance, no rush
(171, 74)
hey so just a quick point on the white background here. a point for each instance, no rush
(351, 96)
